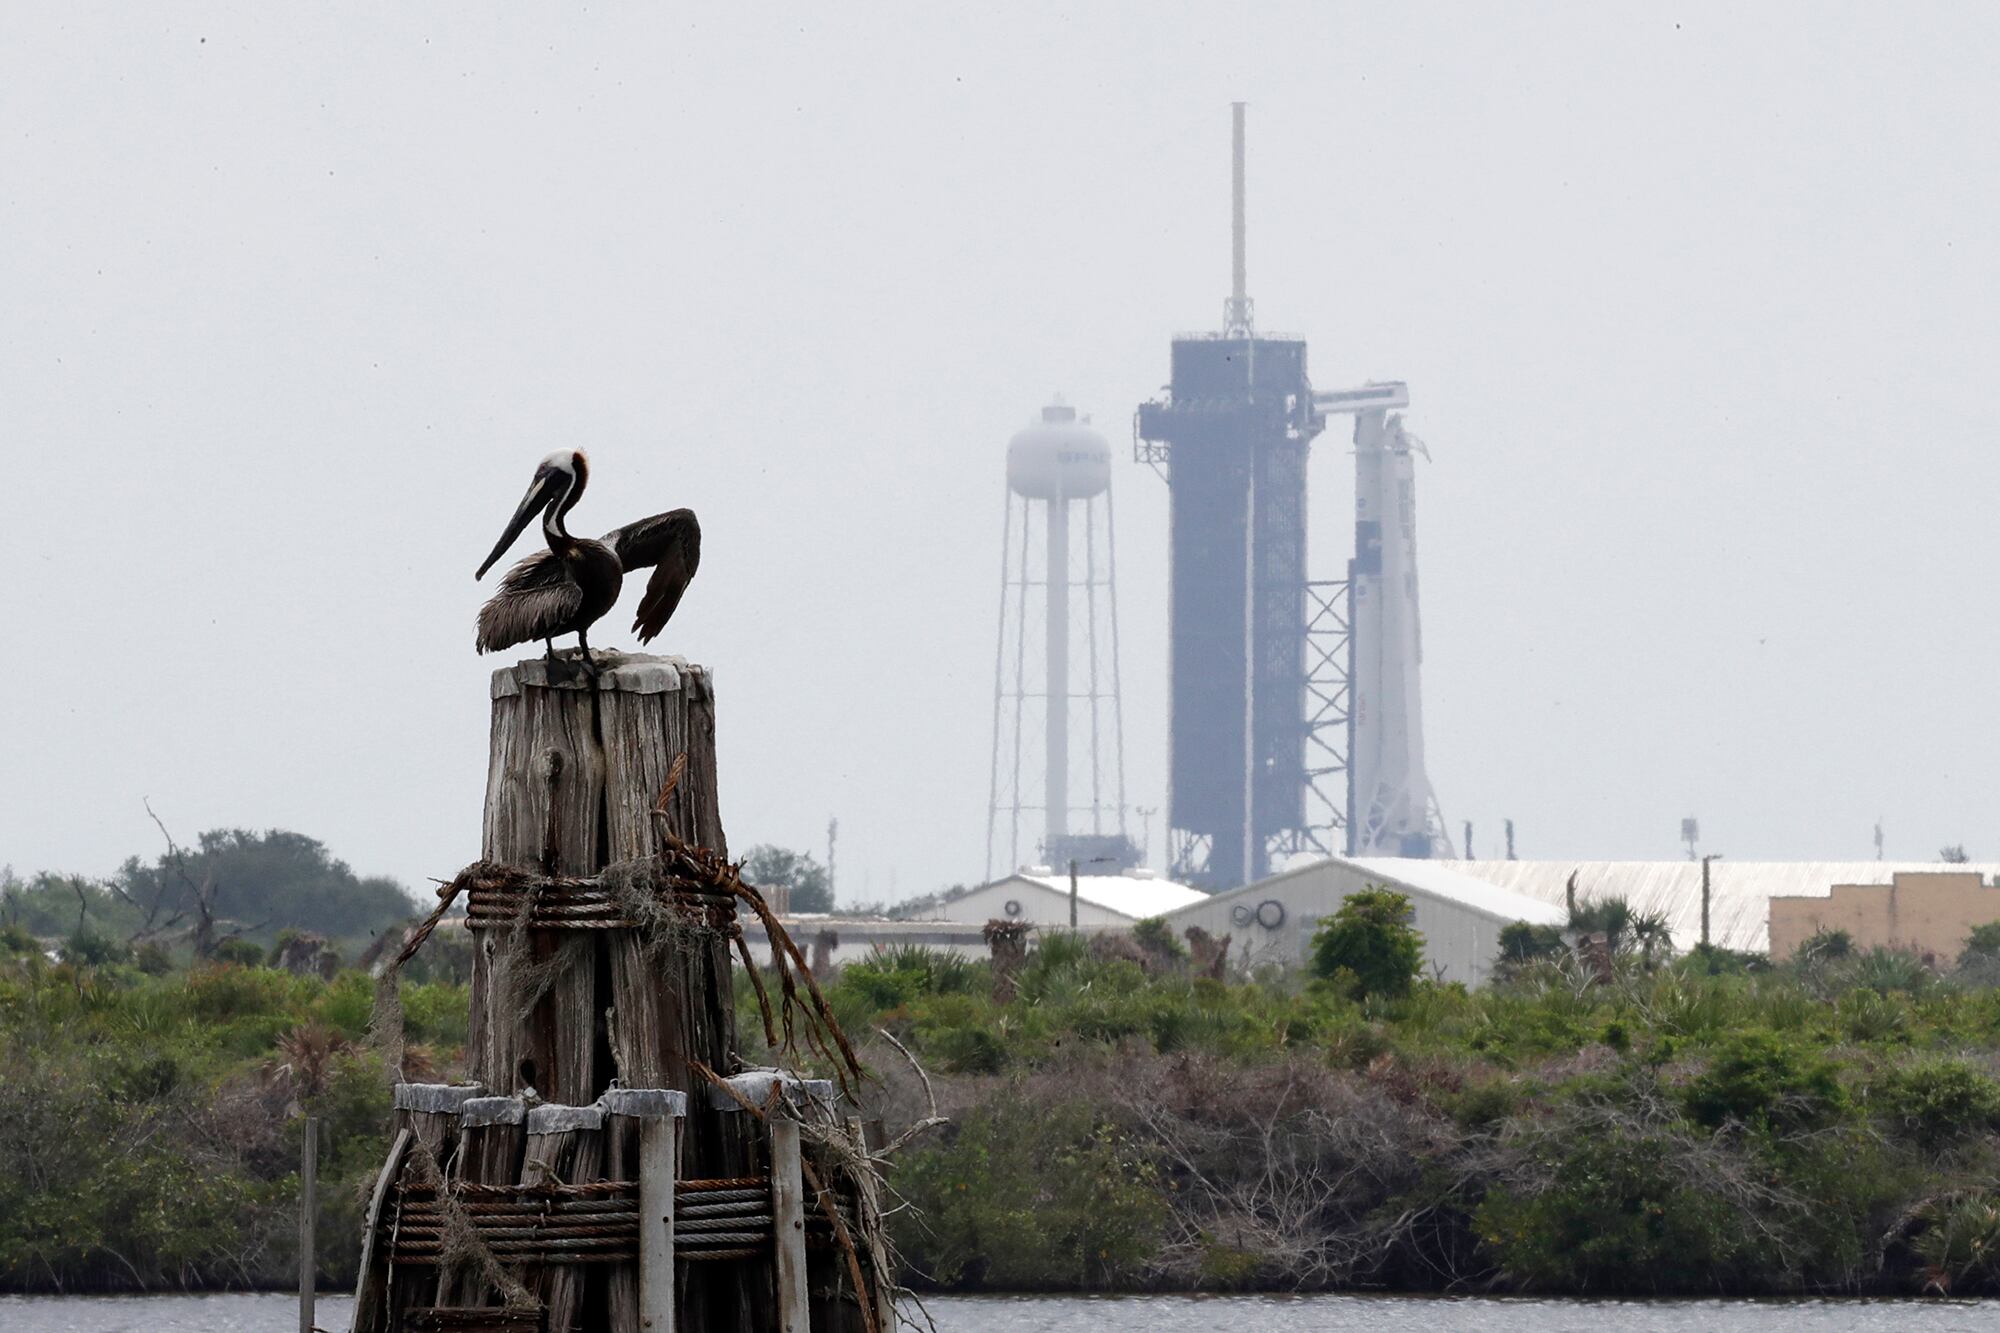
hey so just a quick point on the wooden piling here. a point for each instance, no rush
(430, 1112)
(309, 1224)
(576, 1172)
(492, 1131)
(565, 1146)
(642, 1142)
(575, 778)
(788, 1219)
(371, 1292)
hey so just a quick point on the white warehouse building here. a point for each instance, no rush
(1460, 918)
(1041, 897)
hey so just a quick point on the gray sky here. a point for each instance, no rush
(1697, 304)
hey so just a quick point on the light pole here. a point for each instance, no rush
(1712, 856)
(1095, 860)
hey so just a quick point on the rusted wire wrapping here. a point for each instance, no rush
(497, 897)
(683, 1188)
(596, 1222)
(595, 1189)
(474, 1321)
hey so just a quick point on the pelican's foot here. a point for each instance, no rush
(564, 669)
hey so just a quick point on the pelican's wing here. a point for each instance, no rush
(533, 601)
(671, 544)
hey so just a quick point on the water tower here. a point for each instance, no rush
(1055, 669)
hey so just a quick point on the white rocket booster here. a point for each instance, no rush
(1392, 811)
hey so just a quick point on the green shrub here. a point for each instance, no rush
(435, 1012)
(87, 948)
(349, 1000)
(1483, 1104)
(1614, 1218)
(1107, 1017)
(893, 978)
(1370, 938)
(1227, 1266)
(1824, 946)
(944, 971)
(1936, 1101)
(1891, 971)
(881, 986)
(1524, 943)
(241, 952)
(1156, 937)
(221, 993)
(1715, 961)
(1979, 961)
(970, 1050)
(1867, 1015)
(1686, 1004)
(1517, 1027)
(1031, 1196)
(1959, 1245)
(1983, 942)
(1763, 1081)
(1059, 959)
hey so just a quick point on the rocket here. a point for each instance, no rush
(1391, 808)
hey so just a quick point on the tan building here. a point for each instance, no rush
(1929, 912)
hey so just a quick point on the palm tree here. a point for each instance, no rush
(1626, 932)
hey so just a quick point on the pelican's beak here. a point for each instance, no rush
(541, 494)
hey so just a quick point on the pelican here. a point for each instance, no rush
(567, 588)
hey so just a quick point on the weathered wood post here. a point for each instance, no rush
(492, 1134)
(565, 1147)
(572, 785)
(430, 1112)
(788, 1220)
(309, 1225)
(371, 1294)
(644, 1143)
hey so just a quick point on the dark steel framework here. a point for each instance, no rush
(1259, 693)
(1329, 796)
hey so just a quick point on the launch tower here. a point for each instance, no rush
(1231, 439)
(1272, 687)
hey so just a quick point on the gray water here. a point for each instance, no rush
(1136, 1314)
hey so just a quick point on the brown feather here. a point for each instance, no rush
(671, 543)
(534, 601)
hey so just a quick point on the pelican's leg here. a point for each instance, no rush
(589, 663)
(552, 650)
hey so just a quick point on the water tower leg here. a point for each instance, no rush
(1055, 733)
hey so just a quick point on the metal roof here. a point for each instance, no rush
(1434, 879)
(1440, 879)
(1124, 894)
(1740, 891)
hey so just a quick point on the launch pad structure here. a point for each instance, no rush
(1296, 712)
